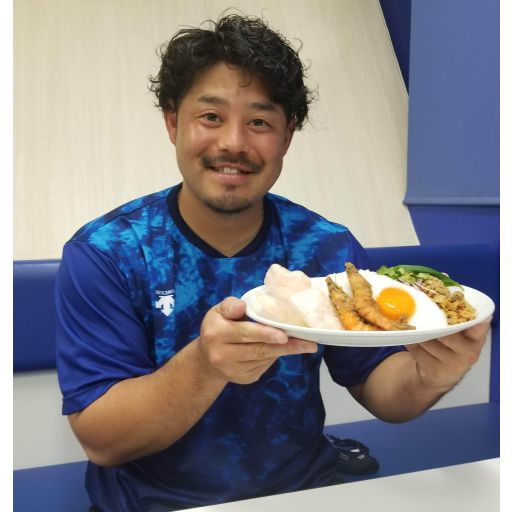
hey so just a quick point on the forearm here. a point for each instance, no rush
(395, 392)
(144, 415)
(405, 384)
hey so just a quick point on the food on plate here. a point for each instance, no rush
(436, 285)
(397, 301)
(456, 308)
(397, 298)
(289, 298)
(368, 307)
(409, 274)
(282, 282)
(316, 308)
(344, 305)
(278, 309)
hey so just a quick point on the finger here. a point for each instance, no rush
(473, 337)
(478, 332)
(251, 332)
(251, 371)
(420, 354)
(303, 346)
(433, 347)
(293, 347)
(264, 351)
(231, 308)
(259, 367)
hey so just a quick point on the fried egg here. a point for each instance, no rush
(399, 301)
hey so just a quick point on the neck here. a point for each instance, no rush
(228, 233)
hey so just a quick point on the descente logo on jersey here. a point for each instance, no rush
(165, 302)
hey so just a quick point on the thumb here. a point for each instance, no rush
(231, 308)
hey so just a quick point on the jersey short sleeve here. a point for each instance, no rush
(100, 339)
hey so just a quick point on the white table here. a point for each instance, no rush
(472, 487)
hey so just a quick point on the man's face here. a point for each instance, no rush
(230, 140)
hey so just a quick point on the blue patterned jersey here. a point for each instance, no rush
(133, 288)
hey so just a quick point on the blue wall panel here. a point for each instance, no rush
(453, 148)
(450, 62)
(440, 37)
(456, 224)
(397, 14)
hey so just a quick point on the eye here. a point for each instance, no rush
(260, 123)
(211, 117)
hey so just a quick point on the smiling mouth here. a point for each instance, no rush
(229, 170)
(231, 165)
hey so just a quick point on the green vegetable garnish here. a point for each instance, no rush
(411, 273)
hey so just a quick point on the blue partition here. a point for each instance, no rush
(454, 115)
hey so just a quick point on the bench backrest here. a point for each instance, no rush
(34, 311)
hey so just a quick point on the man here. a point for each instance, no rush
(177, 399)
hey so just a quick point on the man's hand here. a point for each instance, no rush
(442, 362)
(240, 351)
(406, 384)
(114, 428)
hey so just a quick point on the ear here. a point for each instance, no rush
(290, 130)
(171, 123)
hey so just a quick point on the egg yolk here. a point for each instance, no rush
(396, 304)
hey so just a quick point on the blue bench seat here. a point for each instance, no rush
(441, 437)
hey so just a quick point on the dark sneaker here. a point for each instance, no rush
(353, 456)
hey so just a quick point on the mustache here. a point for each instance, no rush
(217, 161)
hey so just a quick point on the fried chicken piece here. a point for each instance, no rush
(365, 304)
(349, 318)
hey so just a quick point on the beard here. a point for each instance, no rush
(228, 204)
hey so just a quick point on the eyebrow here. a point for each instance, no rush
(257, 105)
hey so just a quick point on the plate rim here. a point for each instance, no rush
(343, 337)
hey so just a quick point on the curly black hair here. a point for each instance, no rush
(243, 41)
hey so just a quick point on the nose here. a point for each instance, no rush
(232, 138)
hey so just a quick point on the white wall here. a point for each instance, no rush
(42, 436)
(87, 137)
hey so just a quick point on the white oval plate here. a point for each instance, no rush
(482, 303)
